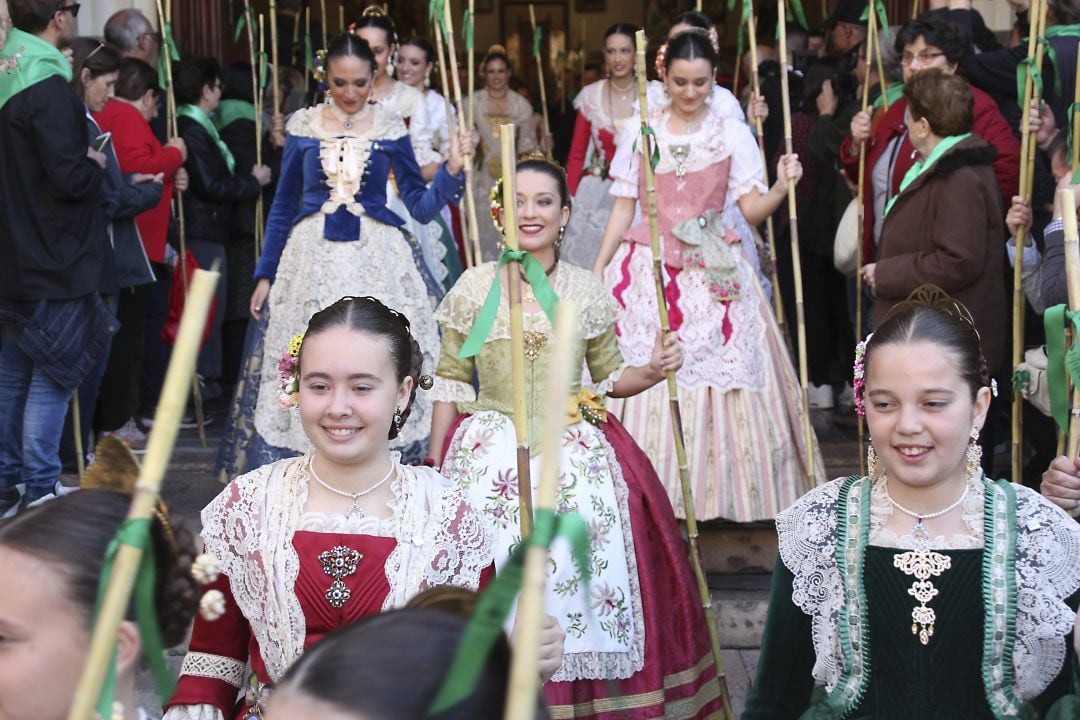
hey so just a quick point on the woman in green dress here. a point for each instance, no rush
(925, 589)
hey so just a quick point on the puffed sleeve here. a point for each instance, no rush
(604, 360)
(626, 165)
(454, 376)
(747, 172)
(422, 133)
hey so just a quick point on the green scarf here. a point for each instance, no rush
(894, 92)
(922, 166)
(229, 111)
(196, 113)
(27, 60)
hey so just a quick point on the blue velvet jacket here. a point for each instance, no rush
(303, 189)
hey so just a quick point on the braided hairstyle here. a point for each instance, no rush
(72, 534)
(369, 315)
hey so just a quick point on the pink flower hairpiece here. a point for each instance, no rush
(858, 383)
(288, 381)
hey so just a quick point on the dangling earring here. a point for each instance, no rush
(562, 232)
(871, 461)
(427, 78)
(398, 420)
(391, 61)
(973, 456)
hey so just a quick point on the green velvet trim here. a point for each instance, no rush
(999, 597)
(853, 625)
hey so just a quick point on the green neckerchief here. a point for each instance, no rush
(921, 166)
(196, 113)
(1058, 358)
(229, 111)
(1051, 32)
(894, 92)
(27, 60)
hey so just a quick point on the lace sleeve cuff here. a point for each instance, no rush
(215, 667)
(193, 712)
(606, 385)
(453, 391)
(426, 156)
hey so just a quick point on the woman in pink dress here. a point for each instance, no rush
(740, 398)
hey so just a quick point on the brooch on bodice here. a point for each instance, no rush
(339, 563)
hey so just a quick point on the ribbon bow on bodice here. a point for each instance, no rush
(343, 162)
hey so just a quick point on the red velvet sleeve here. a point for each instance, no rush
(575, 162)
(213, 669)
(138, 150)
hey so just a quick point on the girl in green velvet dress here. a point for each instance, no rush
(923, 590)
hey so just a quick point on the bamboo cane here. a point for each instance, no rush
(871, 37)
(540, 74)
(876, 44)
(672, 383)
(297, 49)
(166, 424)
(164, 8)
(796, 261)
(470, 197)
(470, 62)
(256, 96)
(76, 425)
(1067, 199)
(1019, 306)
(341, 17)
(259, 101)
(1075, 165)
(755, 80)
(524, 671)
(322, 17)
(517, 327)
(470, 261)
(274, 78)
(914, 9)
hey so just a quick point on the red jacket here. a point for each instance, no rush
(140, 152)
(575, 163)
(987, 123)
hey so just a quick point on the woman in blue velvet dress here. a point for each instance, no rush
(329, 234)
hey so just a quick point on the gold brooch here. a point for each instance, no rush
(339, 563)
(535, 342)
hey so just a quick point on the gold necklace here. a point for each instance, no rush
(623, 90)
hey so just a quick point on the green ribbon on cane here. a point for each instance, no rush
(883, 19)
(241, 23)
(436, 9)
(168, 53)
(263, 58)
(136, 534)
(468, 30)
(1058, 359)
(654, 158)
(486, 623)
(541, 287)
(1051, 53)
(1022, 69)
(538, 35)
(794, 11)
(1070, 114)
(309, 55)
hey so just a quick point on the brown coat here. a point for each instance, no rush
(947, 229)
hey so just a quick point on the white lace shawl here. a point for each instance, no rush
(249, 527)
(1047, 571)
(721, 101)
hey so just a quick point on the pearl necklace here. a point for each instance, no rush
(355, 497)
(919, 517)
(345, 118)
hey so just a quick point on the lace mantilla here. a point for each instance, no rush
(881, 510)
(249, 527)
(1046, 571)
(215, 667)
(452, 391)
(462, 304)
(385, 125)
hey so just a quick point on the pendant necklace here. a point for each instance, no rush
(346, 119)
(923, 563)
(355, 497)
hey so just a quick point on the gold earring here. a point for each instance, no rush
(871, 461)
(973, 456)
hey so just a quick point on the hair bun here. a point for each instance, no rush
(373, 11)
(496, 50)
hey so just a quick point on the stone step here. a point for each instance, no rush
(741, 603)
(734, 548)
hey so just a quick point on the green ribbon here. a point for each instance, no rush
(893, 92)
(241, 22)
(541, 288)
(882, 19)
(538, 35)
(263, 58)
(1022, 69)
(309, 55)
(437, 11)
(944, 145)
(1020, 380)
(136, 534)
(486, 623)
(34, 60)
(654, 158)
(1058, 359)
(196, 113)
(1070, 114)
(1051, 53)
(168, 54)
(794, 7)
(229, 111)
(468, 30)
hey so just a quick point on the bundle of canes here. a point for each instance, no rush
(470, 197)
(755, 80)
(1030, 67)
(517, 327)
(796, 261)
(468, 239)
(1067, 199)
(871, 35)
(170, 409)
(256, 95)
(524, 666)
(539, 68)
(672, 385)
(167, 54)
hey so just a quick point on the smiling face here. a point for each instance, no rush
(689, 82)
(496, 74)
(349, 80)
(42, 635)
(348, 393)
(619, 55)
(98, 90)
(920, 412)
(412, 66)
(380, 46)
(540, 212)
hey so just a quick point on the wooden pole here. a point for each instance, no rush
(1019, 306)
(914, 9)
(470, 63)
(322, 17)
(341, 18)
(871, 37)
(159, 448)
(517, 327)
(274, 62)
(256, 95)
(297, 59)
(1067, 199)
(76, 425)
(470, 261)
(1076, 121)
(164, 8)
(796, 261)
(875, 33)
(524, 665)
(672, 384)
(755, 79)
(540, 74)
(470, 196)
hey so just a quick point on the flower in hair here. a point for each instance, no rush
(858, 383)
(318, 70)
(288, 382)
(661, 54)
(495, 198)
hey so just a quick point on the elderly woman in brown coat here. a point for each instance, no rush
(946, 224)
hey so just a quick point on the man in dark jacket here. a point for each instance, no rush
(54, 328)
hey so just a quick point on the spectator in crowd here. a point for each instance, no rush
(130, 33)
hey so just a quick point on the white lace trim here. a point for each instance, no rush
(193, 712)
(605, 386)
(452, 391)
(881, 510)
(461, 306)
(249, 527)
(215, 667)
(1047, 568)
(721, 101)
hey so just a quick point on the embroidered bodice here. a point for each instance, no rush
(604, 129)
(488, 126)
